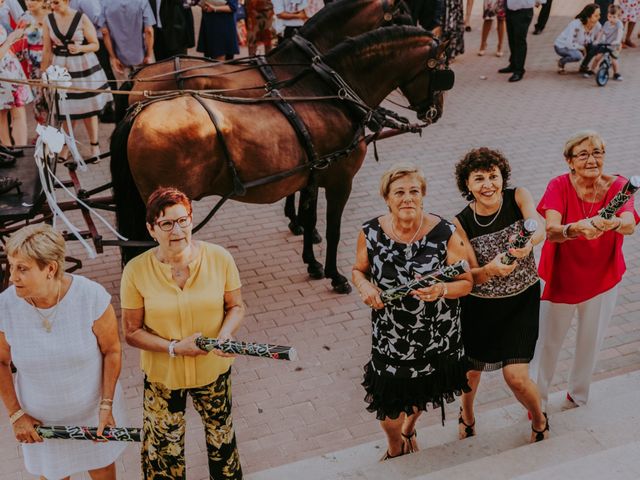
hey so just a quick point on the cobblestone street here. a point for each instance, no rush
(285, 411)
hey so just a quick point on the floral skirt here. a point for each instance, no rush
(164, 427)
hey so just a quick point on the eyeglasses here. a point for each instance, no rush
(167, 225)
(584, 155)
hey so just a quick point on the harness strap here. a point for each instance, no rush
(239, 188)
(176, 68)
(302, 132)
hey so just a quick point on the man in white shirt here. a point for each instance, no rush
(519, 16)
(290, 15)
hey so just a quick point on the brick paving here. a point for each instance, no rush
(287, 411)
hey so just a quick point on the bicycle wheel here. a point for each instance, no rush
(602, 77)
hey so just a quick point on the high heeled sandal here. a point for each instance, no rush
(540, 435)
(97, 155)
(408, 441)
(9, 183)
(388, 456)
(7, 160)
(465, 430)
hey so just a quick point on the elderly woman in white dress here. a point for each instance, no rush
(61, 333)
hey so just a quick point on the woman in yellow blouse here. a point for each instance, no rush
(171, 295)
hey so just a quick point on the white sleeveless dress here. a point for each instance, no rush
(59, 377)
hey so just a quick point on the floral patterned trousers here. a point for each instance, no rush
(164, 427)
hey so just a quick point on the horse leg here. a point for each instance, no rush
(315, 235)
(337, 196)
(290, 213)
(308, 214)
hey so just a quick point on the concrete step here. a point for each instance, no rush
(499, 430)
(620, 463)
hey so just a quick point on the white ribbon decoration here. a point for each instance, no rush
(56, 75)
(51, 141)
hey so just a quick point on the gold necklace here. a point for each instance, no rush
(407, 250)
(47, 320)
(593, 203)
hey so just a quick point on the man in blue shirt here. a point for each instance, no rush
(128, 34)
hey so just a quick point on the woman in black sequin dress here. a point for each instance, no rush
(500, 316)
(417, 354)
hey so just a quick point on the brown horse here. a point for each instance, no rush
(373, 65)
(326, 29)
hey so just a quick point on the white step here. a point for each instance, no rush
(499, 430)
(619, 463)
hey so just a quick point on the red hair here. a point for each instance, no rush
(162, 198)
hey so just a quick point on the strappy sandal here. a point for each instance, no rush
(464, 430)
(540, 435)
(388, 456)
(9, 183)
(408, 440)
(7, 160)
(97, 155)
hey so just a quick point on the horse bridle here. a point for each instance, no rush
(441, 78)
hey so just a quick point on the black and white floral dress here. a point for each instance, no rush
(417, 352)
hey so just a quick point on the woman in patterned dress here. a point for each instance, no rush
(70, 41)
(417, 354)
(259, 22)
(491, 9)
(33, 23)
(500, 317)
(630, 13)
(453, 28)
(13, 96)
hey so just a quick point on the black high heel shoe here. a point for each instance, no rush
(540, 435)
(9, 183)
(465, 430)
(6, 160)
(14, 152)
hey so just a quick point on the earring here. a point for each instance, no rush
(49, 277)
(572, 170)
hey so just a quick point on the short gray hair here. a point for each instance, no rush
(398, 171)
(579, 137)
(41, 243)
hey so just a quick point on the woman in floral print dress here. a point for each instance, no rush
(417, 354)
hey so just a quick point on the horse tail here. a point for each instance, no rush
(122, 101)
(130, 208)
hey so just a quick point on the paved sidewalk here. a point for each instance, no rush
(287, 411)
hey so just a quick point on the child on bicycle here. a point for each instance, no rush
(609, 38)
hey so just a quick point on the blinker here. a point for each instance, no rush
(442, 80)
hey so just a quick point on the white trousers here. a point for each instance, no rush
(555, 319)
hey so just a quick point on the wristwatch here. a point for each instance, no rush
(565, 230)
(172, 348)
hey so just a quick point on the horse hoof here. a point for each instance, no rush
(316, 238)
(295, 228)
(342, 288)
(315, 270)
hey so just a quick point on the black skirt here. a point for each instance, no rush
(500, 331)
(389, 396)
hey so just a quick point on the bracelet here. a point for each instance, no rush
(17, 416)
(565, 230)
(108, 401)
(104, 407)
(444, 290)
(172, 348)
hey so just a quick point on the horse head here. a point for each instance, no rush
(425, 91)
(410, 58)
(341, 19)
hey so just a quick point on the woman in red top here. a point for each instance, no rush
(581, 263)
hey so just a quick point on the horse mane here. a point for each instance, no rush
(356, 45)
(344, 8)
